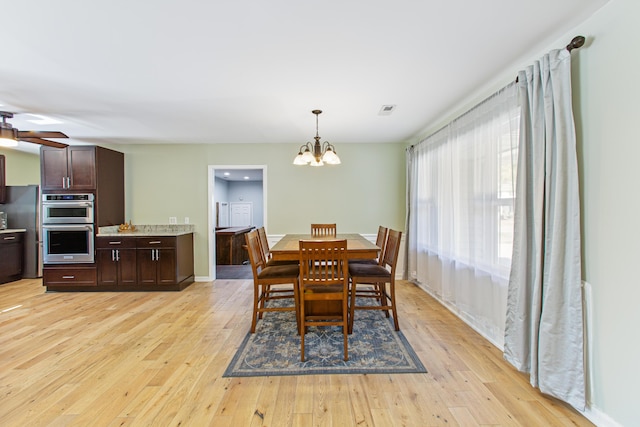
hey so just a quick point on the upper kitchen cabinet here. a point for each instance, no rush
(87, 169)
(70, 168)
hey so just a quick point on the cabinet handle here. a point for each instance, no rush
(68, 277)
(153, 254)
(155, 242)
(113, 255)
(157, 255)
(68, 182)
(10, 238)
(115, 243)
(64, 182)
(117, 255)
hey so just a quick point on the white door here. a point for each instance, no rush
(241, 214)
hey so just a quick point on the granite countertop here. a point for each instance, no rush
(13, 230)
(148, 230)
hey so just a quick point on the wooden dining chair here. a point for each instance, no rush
(266, 252)
(381, 241)
(323, 230)
(324, 287)
(265, 279)
(370, 281)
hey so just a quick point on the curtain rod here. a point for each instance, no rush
(463, 114)
(576, 43)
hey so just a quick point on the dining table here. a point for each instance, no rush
(358, 246)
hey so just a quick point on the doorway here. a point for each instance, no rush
(222, 194)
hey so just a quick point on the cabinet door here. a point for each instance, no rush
(146, 266)
(10, 257)
(166, 266)
(127, 267)
(81, 167)
(107, 267)
(116, 267)
(53, 168)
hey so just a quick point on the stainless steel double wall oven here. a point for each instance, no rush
(68, 228)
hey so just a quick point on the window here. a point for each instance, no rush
(461, 184)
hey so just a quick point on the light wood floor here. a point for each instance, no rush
(156, 359)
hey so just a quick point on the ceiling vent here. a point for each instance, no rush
(386, 110)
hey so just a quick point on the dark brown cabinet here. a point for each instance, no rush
(165, 260)
(64, 277)
(11, 250)
(70, 168)
(88, 169)
(3, 182)
(230, 246)
(157, 266)
(116, 261)
(131, 263)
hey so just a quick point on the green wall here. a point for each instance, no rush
(366, 190)
(606, 112)
(21, 168)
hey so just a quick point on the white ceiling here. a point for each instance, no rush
(239, 174)
(251, 71)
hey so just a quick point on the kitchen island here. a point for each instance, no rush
(230, 245)
(147, 258)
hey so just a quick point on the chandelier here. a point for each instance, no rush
(317, 154)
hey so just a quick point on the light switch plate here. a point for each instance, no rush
(173, 220)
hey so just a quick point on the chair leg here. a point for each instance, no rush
(352, 306)
(303, 326)
(345, 328)
(392, 293)
(254, 318)
(296, 298)
(382, 289)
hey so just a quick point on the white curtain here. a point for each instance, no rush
(461, 184)
(544, 325)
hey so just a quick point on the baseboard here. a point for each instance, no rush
(599, 418)
(593, 414)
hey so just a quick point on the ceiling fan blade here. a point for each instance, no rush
(22, 134)
(44, 142)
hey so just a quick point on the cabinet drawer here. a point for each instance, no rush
(156, 242)
(11, 237)
(115, 243)
(69, 277)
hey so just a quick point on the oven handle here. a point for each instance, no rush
(56, 204)
(88, 227)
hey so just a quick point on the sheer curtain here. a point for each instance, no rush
(461, 185)
(544, 328)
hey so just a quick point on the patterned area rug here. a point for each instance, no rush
(274, 349)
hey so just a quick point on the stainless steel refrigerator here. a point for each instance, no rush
(23, 211)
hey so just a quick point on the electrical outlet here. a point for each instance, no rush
(186, 220)
(173, 220)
